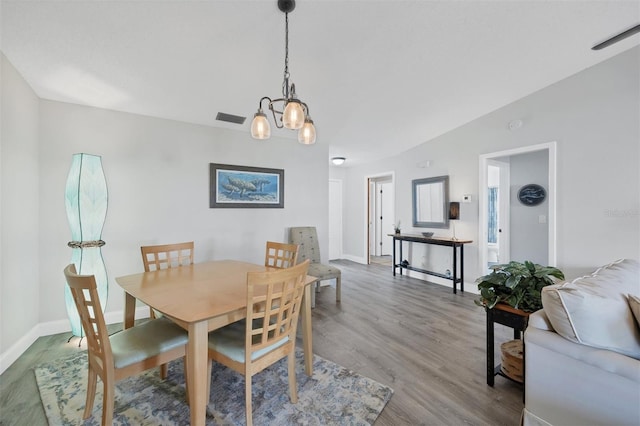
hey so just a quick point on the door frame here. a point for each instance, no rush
(381, 204)
(551, 148)
(367, 208)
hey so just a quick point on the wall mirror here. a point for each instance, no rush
(430, 202)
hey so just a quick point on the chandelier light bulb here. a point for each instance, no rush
(307, 134)
(293, 115)
(260, 128)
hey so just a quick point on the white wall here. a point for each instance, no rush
(592, 115)
(157, 175)
(19, 205)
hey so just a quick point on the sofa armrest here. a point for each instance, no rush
(539, 320)
(568, 383)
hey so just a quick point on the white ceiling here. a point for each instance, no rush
(379, 76)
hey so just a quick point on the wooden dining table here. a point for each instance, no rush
(202, 297)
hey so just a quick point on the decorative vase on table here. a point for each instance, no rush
(86, 203)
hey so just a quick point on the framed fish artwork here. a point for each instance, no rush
(245, 187)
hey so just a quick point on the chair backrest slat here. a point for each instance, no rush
(273, 305)
(167, 256)
(85, 295)
(281, 255)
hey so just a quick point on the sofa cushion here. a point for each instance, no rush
(634, 304)
(593, 310)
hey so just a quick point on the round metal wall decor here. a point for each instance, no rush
(532, 194)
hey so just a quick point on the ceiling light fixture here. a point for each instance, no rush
(338, 160)
(288, 112)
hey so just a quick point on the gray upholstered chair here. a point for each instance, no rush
(307, 238)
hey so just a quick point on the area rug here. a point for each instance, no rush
(334, 395)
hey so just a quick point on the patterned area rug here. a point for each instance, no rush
(332, 396)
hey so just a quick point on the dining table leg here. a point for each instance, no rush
(197, 371)
(307, 341)
(129, 310)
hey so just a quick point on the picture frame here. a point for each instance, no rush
(430, 197)
(233, 186)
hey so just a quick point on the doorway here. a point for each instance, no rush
(380, 218)
(503, 247)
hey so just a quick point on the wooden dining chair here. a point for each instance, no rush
(166, 256)
(306, 237)
(269, 332)
(280, 255)
(123, 354)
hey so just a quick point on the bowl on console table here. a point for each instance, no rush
(427, 234)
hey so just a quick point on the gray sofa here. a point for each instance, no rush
(582, 351)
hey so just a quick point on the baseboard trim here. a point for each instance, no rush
(356, 259)
(10, 356)
(468, 287)
(13, 353)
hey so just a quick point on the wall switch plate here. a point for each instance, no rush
(466, 198)
(542, 218)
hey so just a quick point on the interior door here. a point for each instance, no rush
(498, 212)
(385, 191)
(504, 222)
(335, 219)
(380, 215)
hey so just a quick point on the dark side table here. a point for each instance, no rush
(510, 317)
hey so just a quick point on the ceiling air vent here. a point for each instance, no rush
(230, 118)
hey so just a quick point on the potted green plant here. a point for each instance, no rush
(516, 284)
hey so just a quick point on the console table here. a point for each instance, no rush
(457, 245)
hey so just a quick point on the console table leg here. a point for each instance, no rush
(455, 269)
(394, 256)
(400, 245)
(461, 268)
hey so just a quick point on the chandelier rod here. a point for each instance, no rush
(285, 83)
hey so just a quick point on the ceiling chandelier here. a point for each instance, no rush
(288, 111)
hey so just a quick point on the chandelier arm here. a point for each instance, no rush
(262, 100)
(277, 122)
(273, 103)
(307, 112)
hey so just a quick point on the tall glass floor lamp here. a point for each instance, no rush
(86, 203)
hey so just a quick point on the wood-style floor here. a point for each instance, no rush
(418, 338)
